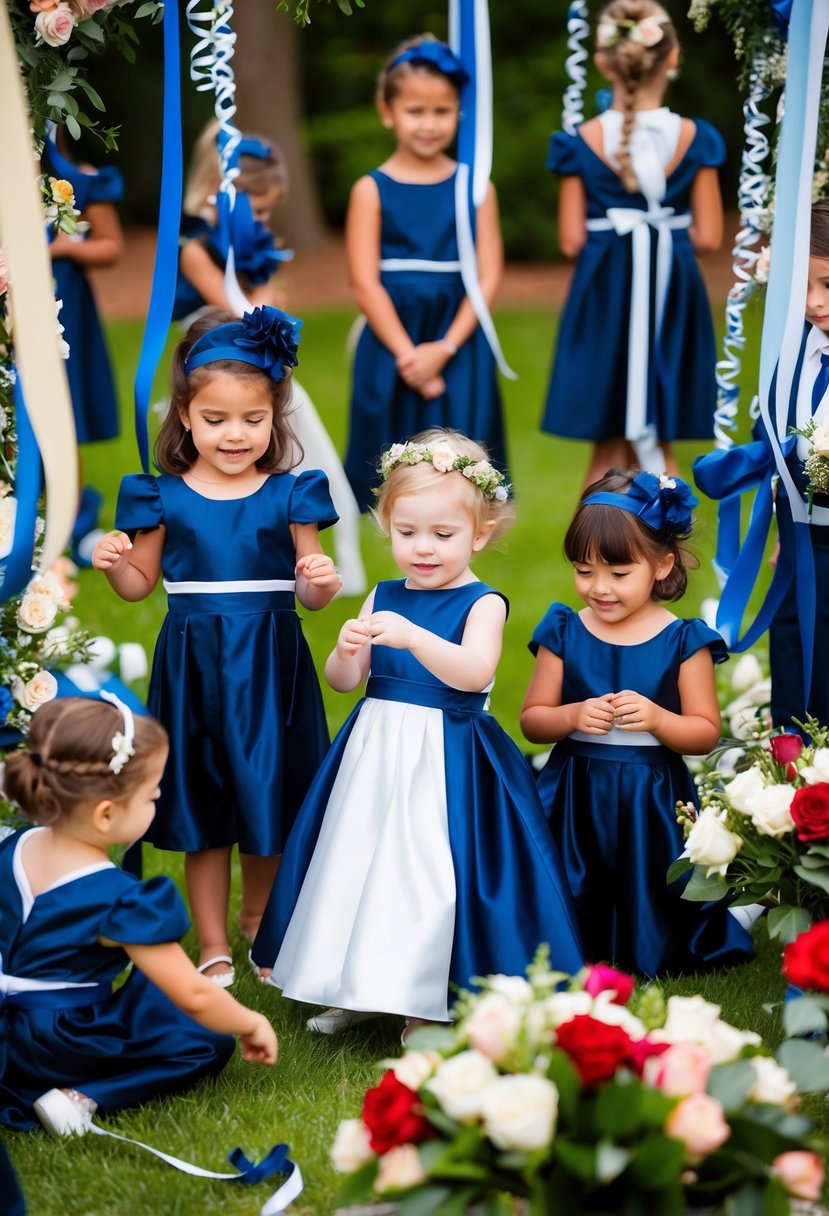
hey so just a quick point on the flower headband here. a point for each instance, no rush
(266, 338)
(648, 32)
(438, 55)
(663, 503)
(444, 459)
(122, 747)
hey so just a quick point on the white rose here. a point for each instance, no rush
(501, 494)
(773, 1083)
(604, 1010)
(36, 613)
(41, 688)
(820, 439)
(564, 1006)
(399, 1170)
(460, 1084)
(8, 514)
(132, 661)
(520, 1112)
(818, 770)
(743, 722)
(493, 1025)
(744, 786)
(103, 651)
(769, 810)
(607, 34)
(747, 671)
(763, 265)
(728, 760)
(443, 458)
(729, 1041)
(351, 1147)
(691, 1019)
(514, 987)
(413, 1067)
(46, 584)
(711, 844)
(56, 641)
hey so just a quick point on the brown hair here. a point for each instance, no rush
(256, 174)
(408, 478)
(633, 64)
(618, 537)
(68, 755)
(389, 83)
(819, 235)
(174, 450)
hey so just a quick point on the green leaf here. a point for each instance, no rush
(72, 126)
(93, 94)
(681, 866)
(425, 1201)
(701, 889)
(815, 878)
(803, 1015)
(657, 1161)
(775, 1199)
(563, 1074)
(806, 1063)
(611, 1161)
(63, 81)
(730, 1084)
(618, 1108)
(816, 850)
(431, 1038)
(148, 9)
(578, 1159)
(747, 1201)
(496, 1205)
(787, 923)
(57, 101)
(91, 28)
(357, 1186)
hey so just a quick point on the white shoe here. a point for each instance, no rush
(65, 1113)
(334, 1021)
(224, 979)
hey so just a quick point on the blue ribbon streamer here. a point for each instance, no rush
(166, 255)
(277, 1161)
(17, 567)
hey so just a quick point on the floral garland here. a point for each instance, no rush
(444, 459)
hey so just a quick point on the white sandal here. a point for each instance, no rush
(63, 1113)
(224, 979)
(334, 1021)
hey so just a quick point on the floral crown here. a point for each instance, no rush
(445, 459)
(266, 338)
(648, 32)
(664, 503)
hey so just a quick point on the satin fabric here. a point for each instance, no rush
(130, 1047)
(586, 398)
(612, 808)
(412, 747)
(13, 1198)
(233, 680)
(418, 221)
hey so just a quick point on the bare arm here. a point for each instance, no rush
(317, 582)
(132, 567)
(103, 244)
(543, 717)
(706, 231)
(572, 216)
(362, 251)
(347, 665)
(695, 730)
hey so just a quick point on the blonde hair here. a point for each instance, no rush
(409, 478)
(633, 64)
(256, 174)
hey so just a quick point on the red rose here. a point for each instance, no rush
(806, 959)
(642, 1050)
(601, 978)
(596, 1049)
(785, 749)
(391, 1112)
(810, 811)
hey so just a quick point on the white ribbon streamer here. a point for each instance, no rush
(469, 270)
(578, 28)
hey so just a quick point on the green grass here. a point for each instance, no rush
(320, 1081)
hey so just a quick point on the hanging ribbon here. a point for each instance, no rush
(39, 364)
(166, 252)
(17, 567)
(578, 28)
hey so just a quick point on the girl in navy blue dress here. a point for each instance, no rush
(236, 536)
(635, 355)
(422, 359)
(623, 689)
(71, 921)
(452, 871)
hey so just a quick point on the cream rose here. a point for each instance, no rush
(647, 32)
(691, 1019)
(769, 810)
(55, 26)
(801, 1173)
(351, 1147)
(46, 584)
(514, 987)
(711, 844)
(564, 1006)
(820, 439)
(400, 1169)
(8, 515)
(773, 1083)
(443, 458)
(520, 1112)
(414, 1067)
(818, 770)
(763, 265)
(493, 1025)
(460, 1084)
(747, 672)
(36, 613)
(41, 688)
(698, 1120)
(604, 1010)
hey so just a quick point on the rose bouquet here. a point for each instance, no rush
(816, 464)
(762, 833)
(571, 1095)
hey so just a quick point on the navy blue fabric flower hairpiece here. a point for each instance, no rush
(663, 503)
(266, 338)
(437, 55)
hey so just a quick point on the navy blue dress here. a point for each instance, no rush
(587, 396)
(612, 807)
(452, 870)
(233, 680)
(91, 382)
(418, 221)
(121, 1047)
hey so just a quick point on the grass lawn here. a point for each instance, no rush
(319, 1081)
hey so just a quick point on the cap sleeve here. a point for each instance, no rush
(146, 914)
(311, 500)
(105, 186)
(696, 635)
(550, 631)
(139, 505)
(709, 145)
(562, 155)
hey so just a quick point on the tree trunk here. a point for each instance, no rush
(268, 97)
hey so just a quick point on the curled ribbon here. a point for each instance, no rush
(578, 28)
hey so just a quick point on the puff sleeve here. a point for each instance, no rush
(695, 635)
(550, 630)
(149, 913)
(709, 145)
(105, 186)
(562, 155)
(311, 500)
(139, 507)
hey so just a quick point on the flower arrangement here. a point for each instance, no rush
(446, 460)
(574, 1094)
(816, 464)
(762, 831)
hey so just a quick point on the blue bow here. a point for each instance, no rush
(438, 55)
(664, 504)
(266, 338)
(277, 1161)
(254, 249)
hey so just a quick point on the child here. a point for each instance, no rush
(452, 872)
(639, 197)
(70, 921)
(235, 535)
(261, 186)
(422, 359)
(624, 688)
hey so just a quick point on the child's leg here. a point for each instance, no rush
(258, 875)
(609, 454)
(208, 887)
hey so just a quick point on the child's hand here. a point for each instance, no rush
(353, 636)
(435, 387)
(422, 364)
(595, 717)
(318, 570)
(632, 711)
(110, 553)
(391, 629)
(259, 1044)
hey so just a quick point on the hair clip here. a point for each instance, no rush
(122, 740)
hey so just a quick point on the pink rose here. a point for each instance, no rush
(682, 1070)
(4, 274)
(601, 978)
(801, 1174)
(55, 27)
(698, 1120)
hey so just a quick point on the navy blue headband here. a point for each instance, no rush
(266, 338)
(663, 503)
(437, 55)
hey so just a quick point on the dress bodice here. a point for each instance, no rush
(418, 221)
(593, 667)
(212, 539)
